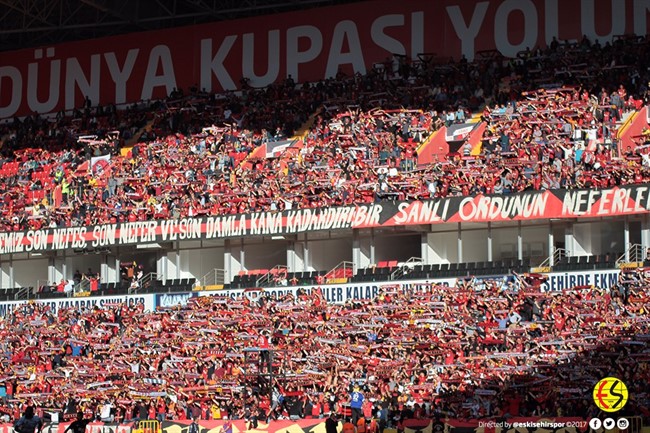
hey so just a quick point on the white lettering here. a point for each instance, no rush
(641, 8)
(639, 198)
(214, 65)
(13, 74)
(104, 235)
(53, 91)
(159, 56)
(273, 63)
(417, 34)
(296, 57)
(617, 203)
(551, 21)
(121, 76)
(384, 41)
(401, 217)
(74, 76)
(345, 30)
(467, 214)
(467, 33)
(605, 202)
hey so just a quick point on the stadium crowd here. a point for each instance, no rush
(484, 348)
(551, 123)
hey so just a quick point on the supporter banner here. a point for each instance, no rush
(101, 301)
(94, 427)
(99, 163)
(603, 279)
(342, 293)
(276, 148)
(305, 45)
(459, 131)
(334, 293)
(533, 205)
(172, 299)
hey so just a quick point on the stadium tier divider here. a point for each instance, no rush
(245, 279)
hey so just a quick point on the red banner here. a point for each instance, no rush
(308, 45)
(524, 206)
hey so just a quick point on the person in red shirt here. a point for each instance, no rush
(263, 345)
(152, 411)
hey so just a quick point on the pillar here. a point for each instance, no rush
(626, 238)
(551, 244)
(362, 250)
(460, 244)
(227, 261)
(520, 242)
(489, 241)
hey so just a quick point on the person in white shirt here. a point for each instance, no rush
(105, 414)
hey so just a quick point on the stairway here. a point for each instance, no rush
(632, 127)
(435, 148)
(305, 127)
(128, 145)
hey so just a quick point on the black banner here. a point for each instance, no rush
(534, 205)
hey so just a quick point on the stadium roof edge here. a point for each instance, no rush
(32, 23)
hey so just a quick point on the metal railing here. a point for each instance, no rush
(346, 269)
(405, 267)
(148, 426)
(145, 281)
(558, 255)
(82, 286)
(634, 254)
(268, 279)
(213, 278)
(22, 294)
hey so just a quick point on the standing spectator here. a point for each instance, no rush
(78, 425)
(264, 346)
(356, 404)
(29, 422)
(331, 424)
(226, 428)
(106, 413)
(194, 427)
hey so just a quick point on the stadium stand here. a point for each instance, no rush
(501, 333)
(361, 148)
(549, 119)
